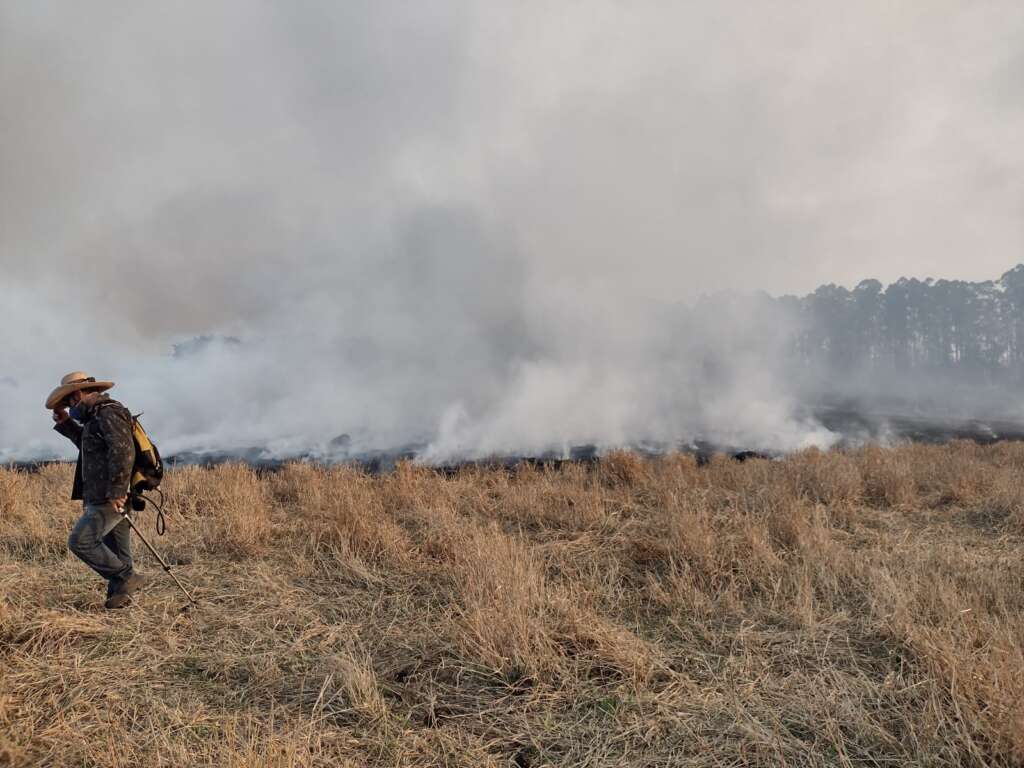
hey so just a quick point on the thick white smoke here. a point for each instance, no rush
(478, 226)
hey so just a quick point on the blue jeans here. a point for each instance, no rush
(102, 540)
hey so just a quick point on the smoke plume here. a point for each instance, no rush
(478, 226)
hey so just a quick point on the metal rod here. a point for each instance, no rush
(166, 567)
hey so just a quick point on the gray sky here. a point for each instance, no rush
(439, 185)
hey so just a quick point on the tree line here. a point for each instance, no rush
(931, 327)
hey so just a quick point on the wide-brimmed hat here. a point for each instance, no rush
(73, 382)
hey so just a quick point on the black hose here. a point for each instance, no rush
(161, 523)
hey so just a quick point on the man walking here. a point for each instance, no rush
(101, 428)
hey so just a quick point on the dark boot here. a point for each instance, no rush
(123, 590)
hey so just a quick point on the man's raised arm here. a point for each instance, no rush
(67, 426)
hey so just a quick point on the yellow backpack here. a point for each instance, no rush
(149, 469)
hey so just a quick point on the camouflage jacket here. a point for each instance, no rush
(106, 451)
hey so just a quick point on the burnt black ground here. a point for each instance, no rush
(856, 425)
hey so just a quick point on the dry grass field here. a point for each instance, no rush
(851, 609)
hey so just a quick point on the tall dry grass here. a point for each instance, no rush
(861, 608)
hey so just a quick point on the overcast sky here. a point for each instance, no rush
(408, 169)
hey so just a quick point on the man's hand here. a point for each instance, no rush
(60, 415)
(119, 502)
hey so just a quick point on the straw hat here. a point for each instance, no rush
(77, 380)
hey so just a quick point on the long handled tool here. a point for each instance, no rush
(166, 567)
